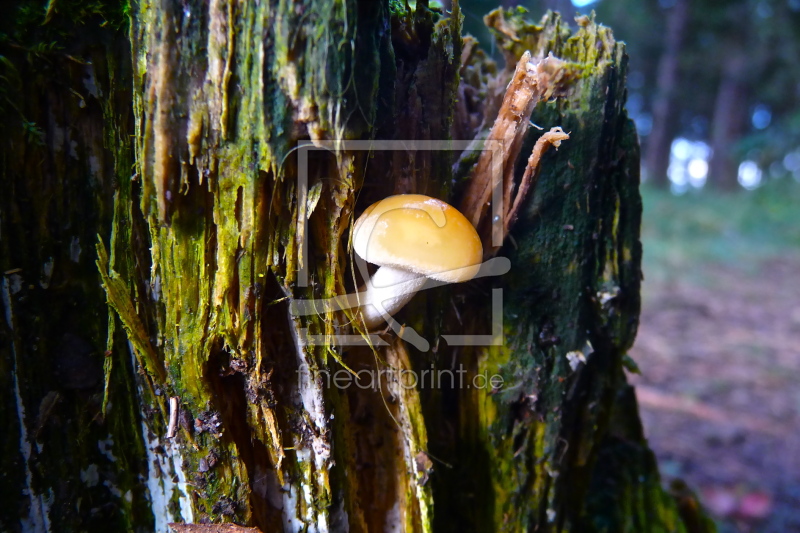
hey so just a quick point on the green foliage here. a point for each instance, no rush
(740, 230)
(33, 133)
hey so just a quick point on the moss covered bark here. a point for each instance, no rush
(218, 407)
(572, 297)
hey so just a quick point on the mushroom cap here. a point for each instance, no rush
(421, 234)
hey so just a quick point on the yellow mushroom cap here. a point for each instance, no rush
(421, 234)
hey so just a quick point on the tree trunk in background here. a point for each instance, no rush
(191, 183)
(659, 142)
(728, 124)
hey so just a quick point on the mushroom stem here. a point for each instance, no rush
(387, 292)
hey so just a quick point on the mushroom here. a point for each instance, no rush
(412, 238)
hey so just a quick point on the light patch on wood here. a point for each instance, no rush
(165, 476)
(217, 58)
(162, 94)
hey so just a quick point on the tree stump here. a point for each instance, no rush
(180, 178)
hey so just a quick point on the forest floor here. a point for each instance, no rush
(719, 350)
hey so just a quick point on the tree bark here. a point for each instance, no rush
(199, 394)
(659, 142)
(72, 457)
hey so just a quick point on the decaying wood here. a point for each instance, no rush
(181, 152)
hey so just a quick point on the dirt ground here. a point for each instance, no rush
(719, 395)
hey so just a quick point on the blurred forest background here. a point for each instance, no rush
(714, 89)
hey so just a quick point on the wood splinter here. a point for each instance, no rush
(532, 82)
